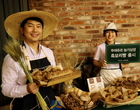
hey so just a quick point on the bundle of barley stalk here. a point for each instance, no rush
(68, 60)
(12, 47)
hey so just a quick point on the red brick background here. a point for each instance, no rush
(81, 23)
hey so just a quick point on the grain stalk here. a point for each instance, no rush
(12, 47)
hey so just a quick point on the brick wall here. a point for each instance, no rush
(81, 23)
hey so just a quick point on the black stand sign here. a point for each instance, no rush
(122, 53)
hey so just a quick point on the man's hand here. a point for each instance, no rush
(32, 88)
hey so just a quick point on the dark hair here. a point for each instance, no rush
(110, 30)
(31, 18)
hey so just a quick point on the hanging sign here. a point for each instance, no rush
(123, 53)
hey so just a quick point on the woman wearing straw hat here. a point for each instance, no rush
(108, 71)
(31, 27)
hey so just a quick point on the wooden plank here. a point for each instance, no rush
(74, 75)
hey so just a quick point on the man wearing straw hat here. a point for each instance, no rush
(108, 71)
(30, 27)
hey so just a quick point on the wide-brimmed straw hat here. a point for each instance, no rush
(13, 22)
(110, 26)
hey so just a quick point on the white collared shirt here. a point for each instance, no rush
(13, 77)
(100, 55)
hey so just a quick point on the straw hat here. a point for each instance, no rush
(13, 22)
(110, 26)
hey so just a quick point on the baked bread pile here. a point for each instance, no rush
(117, 95)
(77, 99)
(50, 73)
(128, 82)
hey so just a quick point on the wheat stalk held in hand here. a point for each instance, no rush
(12, 47)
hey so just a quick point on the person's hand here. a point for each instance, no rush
(104, 63)
(32, 88)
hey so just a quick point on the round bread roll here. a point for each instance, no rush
(91, 103)
(85, 98)
(79, 92)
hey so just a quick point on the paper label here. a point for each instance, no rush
(95, 84)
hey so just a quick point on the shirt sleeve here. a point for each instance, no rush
(97, 53)
(50, 56)
(13, 79)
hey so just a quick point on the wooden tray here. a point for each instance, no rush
(115, 103)
(74, 75)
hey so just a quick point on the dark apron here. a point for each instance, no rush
(30, 101)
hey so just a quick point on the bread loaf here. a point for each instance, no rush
(50, 73)
(77, 99)
(58, 73)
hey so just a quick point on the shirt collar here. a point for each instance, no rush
(107, 43)
(28, 47)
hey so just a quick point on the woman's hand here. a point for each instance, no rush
(99, 64)
(104, 63)
(32, 88)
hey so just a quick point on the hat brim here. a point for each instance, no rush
(110, 30)
(13, 22)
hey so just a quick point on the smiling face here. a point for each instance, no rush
(32, 31)
(110, 36)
